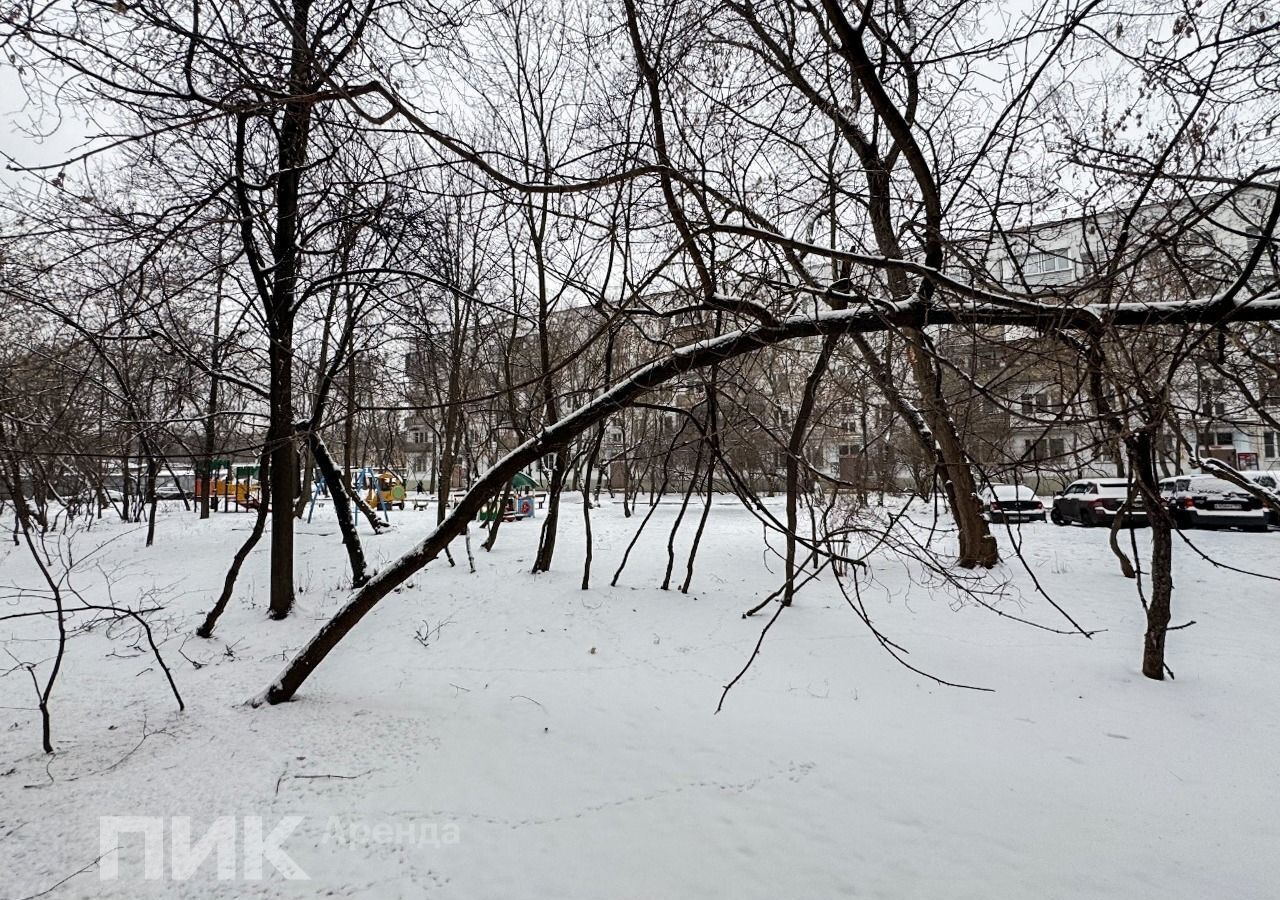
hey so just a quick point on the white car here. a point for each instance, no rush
(1012, 503)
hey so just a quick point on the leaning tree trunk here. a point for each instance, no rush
(935, 432)
(618, 397)
(635, 538)
(370, 514)
(229, 583)
(694, 478)
(496, 522)
(711, 439)
(305, 496)
(341, 508)
(1113, 424)
(702, 523)
(977, 544)
(551, 523)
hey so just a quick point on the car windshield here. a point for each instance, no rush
(1012, 492)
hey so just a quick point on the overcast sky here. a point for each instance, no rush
(18, 121)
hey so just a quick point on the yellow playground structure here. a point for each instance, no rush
(230, 486)
(382, 489)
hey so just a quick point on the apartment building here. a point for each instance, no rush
(1026, 407)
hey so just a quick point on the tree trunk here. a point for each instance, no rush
(308, 478)
(153, 473)
(684, 506)
(550, 525)
(450, 441)
(593, 457)
(229, 583)
(349, 424)
(126, 495)
(1159, 606)
(496, 522)
(977, 544)
(795, 457)
(935, 432)
(292, 149)
(211, 407)
(283, 478)
(341, 508)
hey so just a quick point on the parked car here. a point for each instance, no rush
(1012, 503)
(1097, 501)
(1205, 501)
(1269, 481)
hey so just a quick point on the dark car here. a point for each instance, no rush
(1267, 480)
(1097, 501)
(1203, 501)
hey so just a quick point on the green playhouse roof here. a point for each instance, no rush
(521, 480)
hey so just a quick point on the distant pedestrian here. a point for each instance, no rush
(421, 489)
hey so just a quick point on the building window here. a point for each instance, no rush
(1270, 444)
(1052, 449)
(1045, 262)
(1047, 401)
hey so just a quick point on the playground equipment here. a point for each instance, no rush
(318, 489)
(230, 486)
(383, 489)
(520, 501)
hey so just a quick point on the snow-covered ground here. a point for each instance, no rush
(540, 741)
